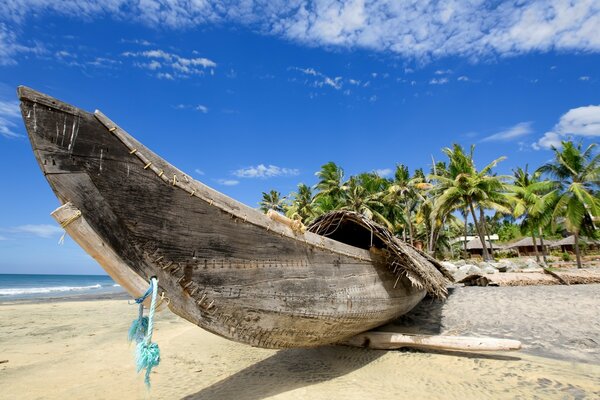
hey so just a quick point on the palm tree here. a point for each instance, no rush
(272, 201)
(302, 205)
(404, 190)
(331, 178)
(533, 200)
(363, 194)
(577, 173)
(465, 187)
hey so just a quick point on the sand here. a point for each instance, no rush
(77, 350)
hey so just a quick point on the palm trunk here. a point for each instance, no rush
(485, 230)
(577, 253)
(537, 253)
(466, 234)
(486, 255)
(542, 244)
(410, 227)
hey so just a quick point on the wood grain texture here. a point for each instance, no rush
(392, 341)
(225, 266)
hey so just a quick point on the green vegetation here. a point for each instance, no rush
(430, 210)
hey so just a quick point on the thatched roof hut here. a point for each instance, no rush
(354, 229)
(568, 243)
(526, 247)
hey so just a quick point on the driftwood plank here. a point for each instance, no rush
(391, 341)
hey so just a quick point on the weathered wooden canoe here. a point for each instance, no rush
(224, 266)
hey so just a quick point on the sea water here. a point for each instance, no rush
(20, 287)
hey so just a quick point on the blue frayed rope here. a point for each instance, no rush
(147, 353)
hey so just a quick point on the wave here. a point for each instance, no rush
(50, 289)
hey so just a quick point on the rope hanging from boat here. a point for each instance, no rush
(139, 327)
(147, 353)
(66, 223)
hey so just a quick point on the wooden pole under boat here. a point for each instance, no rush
(392, 340)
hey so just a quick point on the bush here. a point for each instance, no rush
(565, 256)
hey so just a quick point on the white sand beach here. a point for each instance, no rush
(78, 350)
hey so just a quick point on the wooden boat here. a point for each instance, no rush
(224, 266)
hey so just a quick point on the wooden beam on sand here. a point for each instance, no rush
(392, 341)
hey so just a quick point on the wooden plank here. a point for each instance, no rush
(392, 341)
(81, 232)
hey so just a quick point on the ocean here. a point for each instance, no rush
(23, 287)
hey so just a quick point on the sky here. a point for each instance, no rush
(249, 96)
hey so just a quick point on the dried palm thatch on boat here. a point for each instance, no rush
(352, 228)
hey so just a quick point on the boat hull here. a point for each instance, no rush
(224, 266)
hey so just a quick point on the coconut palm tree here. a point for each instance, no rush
(533, 200)
(272, 201)
(302, 205)
(577, 173)
(405, 190)
(465, 187)
(331, 178)
(363, 194)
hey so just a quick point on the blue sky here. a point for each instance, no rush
(249, 96)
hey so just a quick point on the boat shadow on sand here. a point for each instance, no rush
(295, 368)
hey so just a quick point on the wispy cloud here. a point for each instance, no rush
(198, 107)
(438, 81)
(9, 111)
(463, 78)
(11, 48)
(320, 80)
(41, 230)
(227, 182)
(199, 171)
(418, 30)
(170, 65)
(265, 171)
(443, 72)
(581, 121)
(584, 78)
(519, 130)
(384, 172)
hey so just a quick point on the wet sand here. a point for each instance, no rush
(77, 349)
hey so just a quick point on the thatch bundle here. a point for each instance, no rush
(422, 270)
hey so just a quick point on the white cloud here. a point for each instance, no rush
(443, 72)
(170, 65)
(420, 30)
(584, 78)
(519, 130)
(42, 230)
(263, 171)
(581, 121)
(440, 81)
(199, 171)
(201, 108)
(10, 48)
(227, 182)
(384, 172)
(463, 78)
(165, 75)
(321, 79)
(9, 110)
